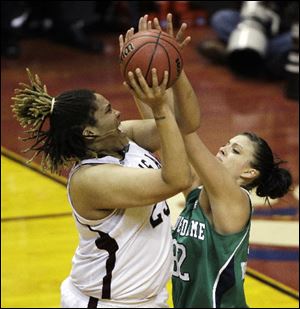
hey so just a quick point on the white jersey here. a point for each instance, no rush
(127, 256)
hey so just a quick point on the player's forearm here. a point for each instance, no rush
(172, 149)
(182, 101)
(187, 108)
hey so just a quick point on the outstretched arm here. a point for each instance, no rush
(183, 100)
(164, 120)
(186, 104)
(181, 97)
(229, 204)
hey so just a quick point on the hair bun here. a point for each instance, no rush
(277, 184)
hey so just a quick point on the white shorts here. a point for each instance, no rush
(71, 297)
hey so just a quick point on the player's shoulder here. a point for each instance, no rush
(92, 172)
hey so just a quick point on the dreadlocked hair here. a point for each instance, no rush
(62, 140)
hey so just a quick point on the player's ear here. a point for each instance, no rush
(250, 173)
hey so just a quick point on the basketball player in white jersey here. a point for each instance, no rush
(117, 189)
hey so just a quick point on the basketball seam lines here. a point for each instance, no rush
(128, 61)
(150, 62)
(163, 39)
(160, 37)
(169, 63)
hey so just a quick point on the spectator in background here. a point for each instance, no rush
(69, 22)
(66, 22)
(225, 21)
(10, 31)
(62, 21)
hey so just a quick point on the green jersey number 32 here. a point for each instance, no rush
(179, 255)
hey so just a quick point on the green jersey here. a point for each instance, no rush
(209, 268)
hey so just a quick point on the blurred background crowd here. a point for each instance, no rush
(255, 39)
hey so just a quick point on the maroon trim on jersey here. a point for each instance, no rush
(93, 302)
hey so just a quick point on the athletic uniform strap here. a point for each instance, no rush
(193, 195)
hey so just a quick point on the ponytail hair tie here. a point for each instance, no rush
(52, 105)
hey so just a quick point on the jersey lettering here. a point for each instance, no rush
(179, 255)
(146, 164)
(157, 163)
(192, 228)
(156, 217)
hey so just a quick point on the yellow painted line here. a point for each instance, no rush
(27, 193)
(36, 254)
(36, 257)
(14, 156)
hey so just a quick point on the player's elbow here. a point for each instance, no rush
(181, 182)
(187, 183)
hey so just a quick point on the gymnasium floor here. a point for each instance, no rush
(38, 234)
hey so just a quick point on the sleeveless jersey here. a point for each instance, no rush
(209, 268)
(127, 256)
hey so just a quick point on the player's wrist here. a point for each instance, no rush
(160, 112)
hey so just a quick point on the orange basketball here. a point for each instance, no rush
(152, 49)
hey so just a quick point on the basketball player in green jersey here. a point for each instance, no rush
(211, 236)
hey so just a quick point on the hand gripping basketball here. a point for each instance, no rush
(152, 49)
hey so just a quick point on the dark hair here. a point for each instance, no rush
(273, 181)
(62, 141)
